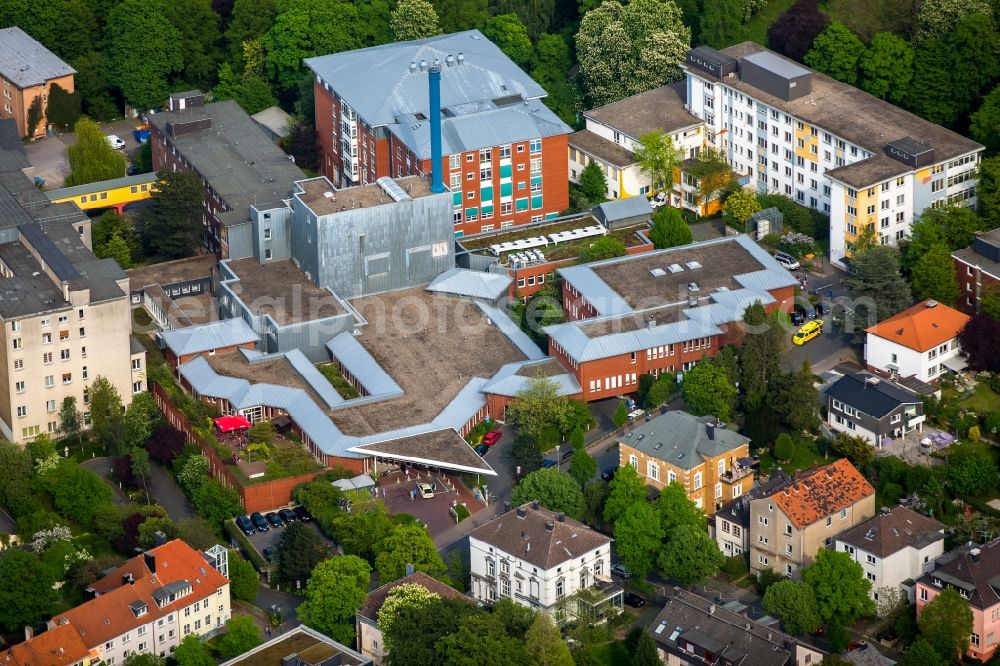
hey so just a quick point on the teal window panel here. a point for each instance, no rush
(550, 216)
(535, 180)
(471, 213)
(456, 199)
(506, 170)
(506, 189)
(536, 202)
(487, 193)
(521, 204)
(487, 210)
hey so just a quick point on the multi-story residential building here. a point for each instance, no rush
(699, 453)
(65, 320)
(790, 526)
(145, 606)
(59, 646)
(540, 559)
(977, 268)
(872, 166)
(731, 523)
(370, 640)
(613, 132)
(973, 571)
(661, 311)
(921, 342)
(894, 548)
(867, 406)
(239, 166)
(692, 630)
(503, 151)
(28, 71)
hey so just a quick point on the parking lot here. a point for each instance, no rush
(48, 155)
(395, 490)
(269, 539)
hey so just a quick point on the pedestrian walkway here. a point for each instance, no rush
(456, 533)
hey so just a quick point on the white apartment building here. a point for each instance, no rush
(827, 145)
(64, 320)
(895, 548)
(539, 559)
(921, 342)
(612, 133)
(150, 603)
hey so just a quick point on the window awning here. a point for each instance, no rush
(956, 363)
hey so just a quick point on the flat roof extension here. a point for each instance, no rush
(280, 289)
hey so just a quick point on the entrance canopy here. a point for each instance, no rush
(230, 423)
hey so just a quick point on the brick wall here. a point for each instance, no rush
(973, 282)
(174, 362)
(325, 124)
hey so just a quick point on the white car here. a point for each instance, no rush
(116, 142)
(661, 199)
(787, 260)
(426, 490)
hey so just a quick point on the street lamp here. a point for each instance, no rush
(558, 459)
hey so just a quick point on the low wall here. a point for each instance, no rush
(263, 496)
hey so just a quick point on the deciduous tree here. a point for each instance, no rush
(553, 489)
(144, 50)
(414, 19)
(675, 509)
(400, 599)
(657, 157)
(836, 52)
(855, 448)
(796, 29)
(722, 23)
(198, 26)
(92, 158)
(335, 591)
(545, 645)
(626, 490)
(407, 544)
(840, 587)
(934, 275)
(582, 466)
(920, 653)
(243, 578)
(795, 398)
(298, 552)
(690, 555)
(794, 602)
(759, 357)
(192, 652)
(886, 68)
(985, 125)
(988, 191)
(739, 206)
(605, 247)
(508, 33)
(639, 538)
(938, 18)
(26, 593)
(62, 108)
(171, 227)
(457, 15)
(306, 28)
(539, 407)
(707, 390)
(69, 419)
(979, 343)
(241, 636)
(946, 624)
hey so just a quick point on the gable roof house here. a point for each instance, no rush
(731, 523)
(866, 406)
(921, 342)
(790, 526)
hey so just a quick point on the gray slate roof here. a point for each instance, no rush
(473, 284)
(876, 400)
(216, 335)
(379, 85)
(738, 510)
(889, 532)
(25, 62)
(623, 209)
(683, 440)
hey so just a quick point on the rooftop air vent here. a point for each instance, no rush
(328, 195)
(675, 268)
(693, 265)
(657, 272)
(932, 303)
(693, 286)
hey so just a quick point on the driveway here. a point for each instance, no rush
(268, 600)
(167, 493)
(832, 346)
(48, 155)
(270, 538)
(102, 468)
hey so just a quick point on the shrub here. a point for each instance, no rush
(784, 447)
(734, 566)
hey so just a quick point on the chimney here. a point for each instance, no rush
(549, 525)
(409, 569)
(562, 517)
(128, 578)
(711, 609)
(434, 92)
(150, 561)
(974, 554)
(506, 507)
(521, 513)
(710, 430)
(535, 505)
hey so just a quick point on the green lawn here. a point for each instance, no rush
(614, 654)
(982, 400)
(756, 29)
(806, 456)
(339, 382)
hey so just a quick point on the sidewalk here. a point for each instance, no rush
(457, 532)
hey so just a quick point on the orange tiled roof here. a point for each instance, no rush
(109, 615)
(59, 646)
(822, 492)
(921, 327)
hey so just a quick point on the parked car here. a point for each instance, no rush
(116, 142)
(259, 521)
(609, 473)
(822, 308)
(492, 437)
(287, 515)
(808, 310)
(787, 260)
(621, 571)
(302, 514)
(482, 450)
(245, 525)
(268, 554)
(132, 170)
(634, 600)
(797, 316)
(275, 520)
(548, 463)
(659, 200)
(426, 490)
(810, 330)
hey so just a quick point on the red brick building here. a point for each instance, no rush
(504, 152)
(661, 311)
(977, 269)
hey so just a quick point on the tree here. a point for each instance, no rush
(192, 652)
(106, 412)
(978, 341)
(143, 49)
(759, 357)
(144, 659)
(407, 544)
(793, 33)
(711, 171)
(554, 490)
(620, 417)
(593, 183)
(510, 35)
(934, 275)
(985, 125)
(669, 229)
(92, 158)
(458, 15)
(952, 226)
(544, 644)
(550, 65)
(301, 143)
(63, 107)
(539, 407)
(171, 226)
(242, 635)
(840, 587)
(69, 419)
(646, 653)
(690, 555)
(970, 472)
(306, 28)
(139, 461)
(836, 52)
(198, 26)
(877, 280)
(26, 594)
(675, 509)
(140, 417)
(707, 390)
(946, 624)
(886, 68)
(625, 490)
(243, 578)
(638, 538)
(197, 533)
(795, 398)
(855, 448)
(920, 653)
(251, 19)
(739, 206)
(721, 23)
(335, 591)
(657, 157)
(582, 466)
(298, 552)
(938, 18)
(401, 598)
(625, 50)
(77, 493)
(794, 602)
(988, 192)
(525, 455)
(480, 639)
(414, 19)
(605, 247)
(784, 447)
(537, 16)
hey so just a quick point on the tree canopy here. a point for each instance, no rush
(414, 19)
(946, 624)
(657, 157)
(690, 555)
(554, 489)
(794, 602)
(297, 553)
(144, 51)
(877, 287)
(934, 275)
(92, 158)
(638, 537)
(836, 51)
(669, 228)
(793, 33)
(243, 578)
(26, 593)
(407, 544)
(978, 340)
(335, 591)
(626, 490)
(593, 184)
(171, 227)
(707, 390)
(886, 68)
(840, 587)
(241, 636)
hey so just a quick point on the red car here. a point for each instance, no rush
(492, 437)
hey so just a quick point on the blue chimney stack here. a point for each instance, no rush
(434, 82)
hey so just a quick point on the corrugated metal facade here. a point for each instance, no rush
(271, 231)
